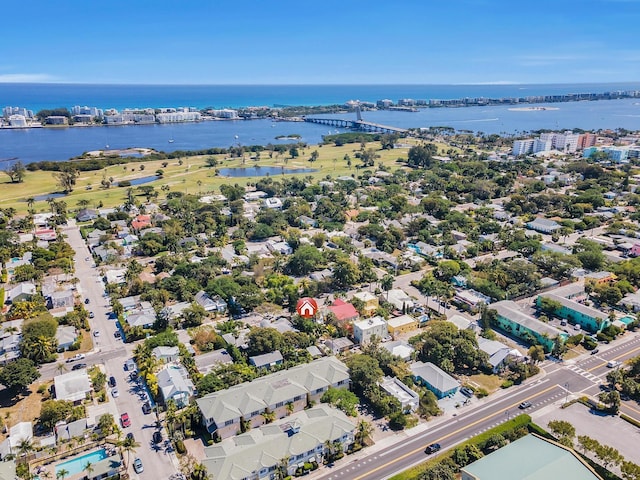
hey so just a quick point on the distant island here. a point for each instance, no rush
(293, 136)
(532, 109)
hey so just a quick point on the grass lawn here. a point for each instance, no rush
(27, 409)
(193, 176)
(490, 383)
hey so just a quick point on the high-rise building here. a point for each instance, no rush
(522, 147)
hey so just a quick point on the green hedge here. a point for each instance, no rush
(515, 423)
(629, 419)
(1, 297)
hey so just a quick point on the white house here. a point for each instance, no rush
(174, 384)
(364, 330)
(73, 386)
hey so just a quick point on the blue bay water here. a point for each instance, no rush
(60, 144)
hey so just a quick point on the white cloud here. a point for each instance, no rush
(26, 78)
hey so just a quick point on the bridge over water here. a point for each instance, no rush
(358, 124)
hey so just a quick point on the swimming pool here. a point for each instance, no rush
(77, 464)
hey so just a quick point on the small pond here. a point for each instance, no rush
(141, 180)
(47, 196)
(261, 171)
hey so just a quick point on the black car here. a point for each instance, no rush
(146, 408)
(524, 405)
(130, 435)
(86, 301)
(78, 366)
(157, 437)
(112, 381)
(594, 351)
(434, 447)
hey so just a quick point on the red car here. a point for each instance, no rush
(124, 419)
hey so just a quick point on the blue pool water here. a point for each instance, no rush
(627, 320)
(77, 464)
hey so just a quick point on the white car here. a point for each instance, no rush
(613, 364)
(96, 333)
(115, 393)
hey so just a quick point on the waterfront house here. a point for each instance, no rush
(434, 378)
(278, 394)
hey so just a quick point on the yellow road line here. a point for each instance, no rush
(441, 439)
(615, 358)
(630, 408)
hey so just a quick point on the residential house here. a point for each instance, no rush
(278, 394)
(143, 315)
(631, 301)
(61, 299)
(272, 202)
(435, 379)
(67, 431)
(141, 221)
(174, 384)
(409, 399)
(9, 347)
(308, 221)
(599, 278)
(543, 225)
(398, 298)
(73, 386)
(370, 302)
(210, 304)
(86, 215)
(515, 322)
(338, 345)
(283, 248)
(174, 312)
(531, 457)
(166, 354)
(471, 300)
(365, 330)
(210, 360)
(21, 292)
(66, 336)
(461, 322)
(498, 352)
(301, 438)
(589, 318)
(344, 312)
(267, 360)
(402, 324)
(399, 348)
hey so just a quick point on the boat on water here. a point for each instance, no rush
(171, 140)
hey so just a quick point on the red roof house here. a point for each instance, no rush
(344, 311)
(141, 221)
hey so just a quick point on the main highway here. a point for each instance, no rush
(558, 382)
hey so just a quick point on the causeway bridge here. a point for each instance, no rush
(358, 124)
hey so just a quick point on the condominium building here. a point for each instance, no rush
(278, 395)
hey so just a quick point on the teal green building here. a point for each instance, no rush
(590, 319)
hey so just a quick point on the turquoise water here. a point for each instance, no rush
(77, 464)
(627, 320)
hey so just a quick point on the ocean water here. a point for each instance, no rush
(31, 145)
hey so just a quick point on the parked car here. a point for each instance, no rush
(594, 351)
(433, 448)
(146, 408)
(466, 391)
(79, 366)
(76, 357)
(130, 435)
(112, 381)
(115, 393)
(117, 334)
(91, 315)
(157, 437)
(576, 327)
(96, 333)
(137, 465)
(524, 405)
(86, 301)
(125, 420)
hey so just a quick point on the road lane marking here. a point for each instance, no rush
(455, 432)
(630, 408)
(614, 358)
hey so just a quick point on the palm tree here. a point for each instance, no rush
(129, 445)
(199, 472)
(61, 367)
(24, 447)
(363, 430)
(30, 202)
(387, 283)
(60, 474)
(89, 469)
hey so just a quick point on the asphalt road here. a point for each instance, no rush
(561, 381)
(159, 461)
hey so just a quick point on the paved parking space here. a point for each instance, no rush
(607, 429)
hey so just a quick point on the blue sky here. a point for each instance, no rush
(319, 42)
